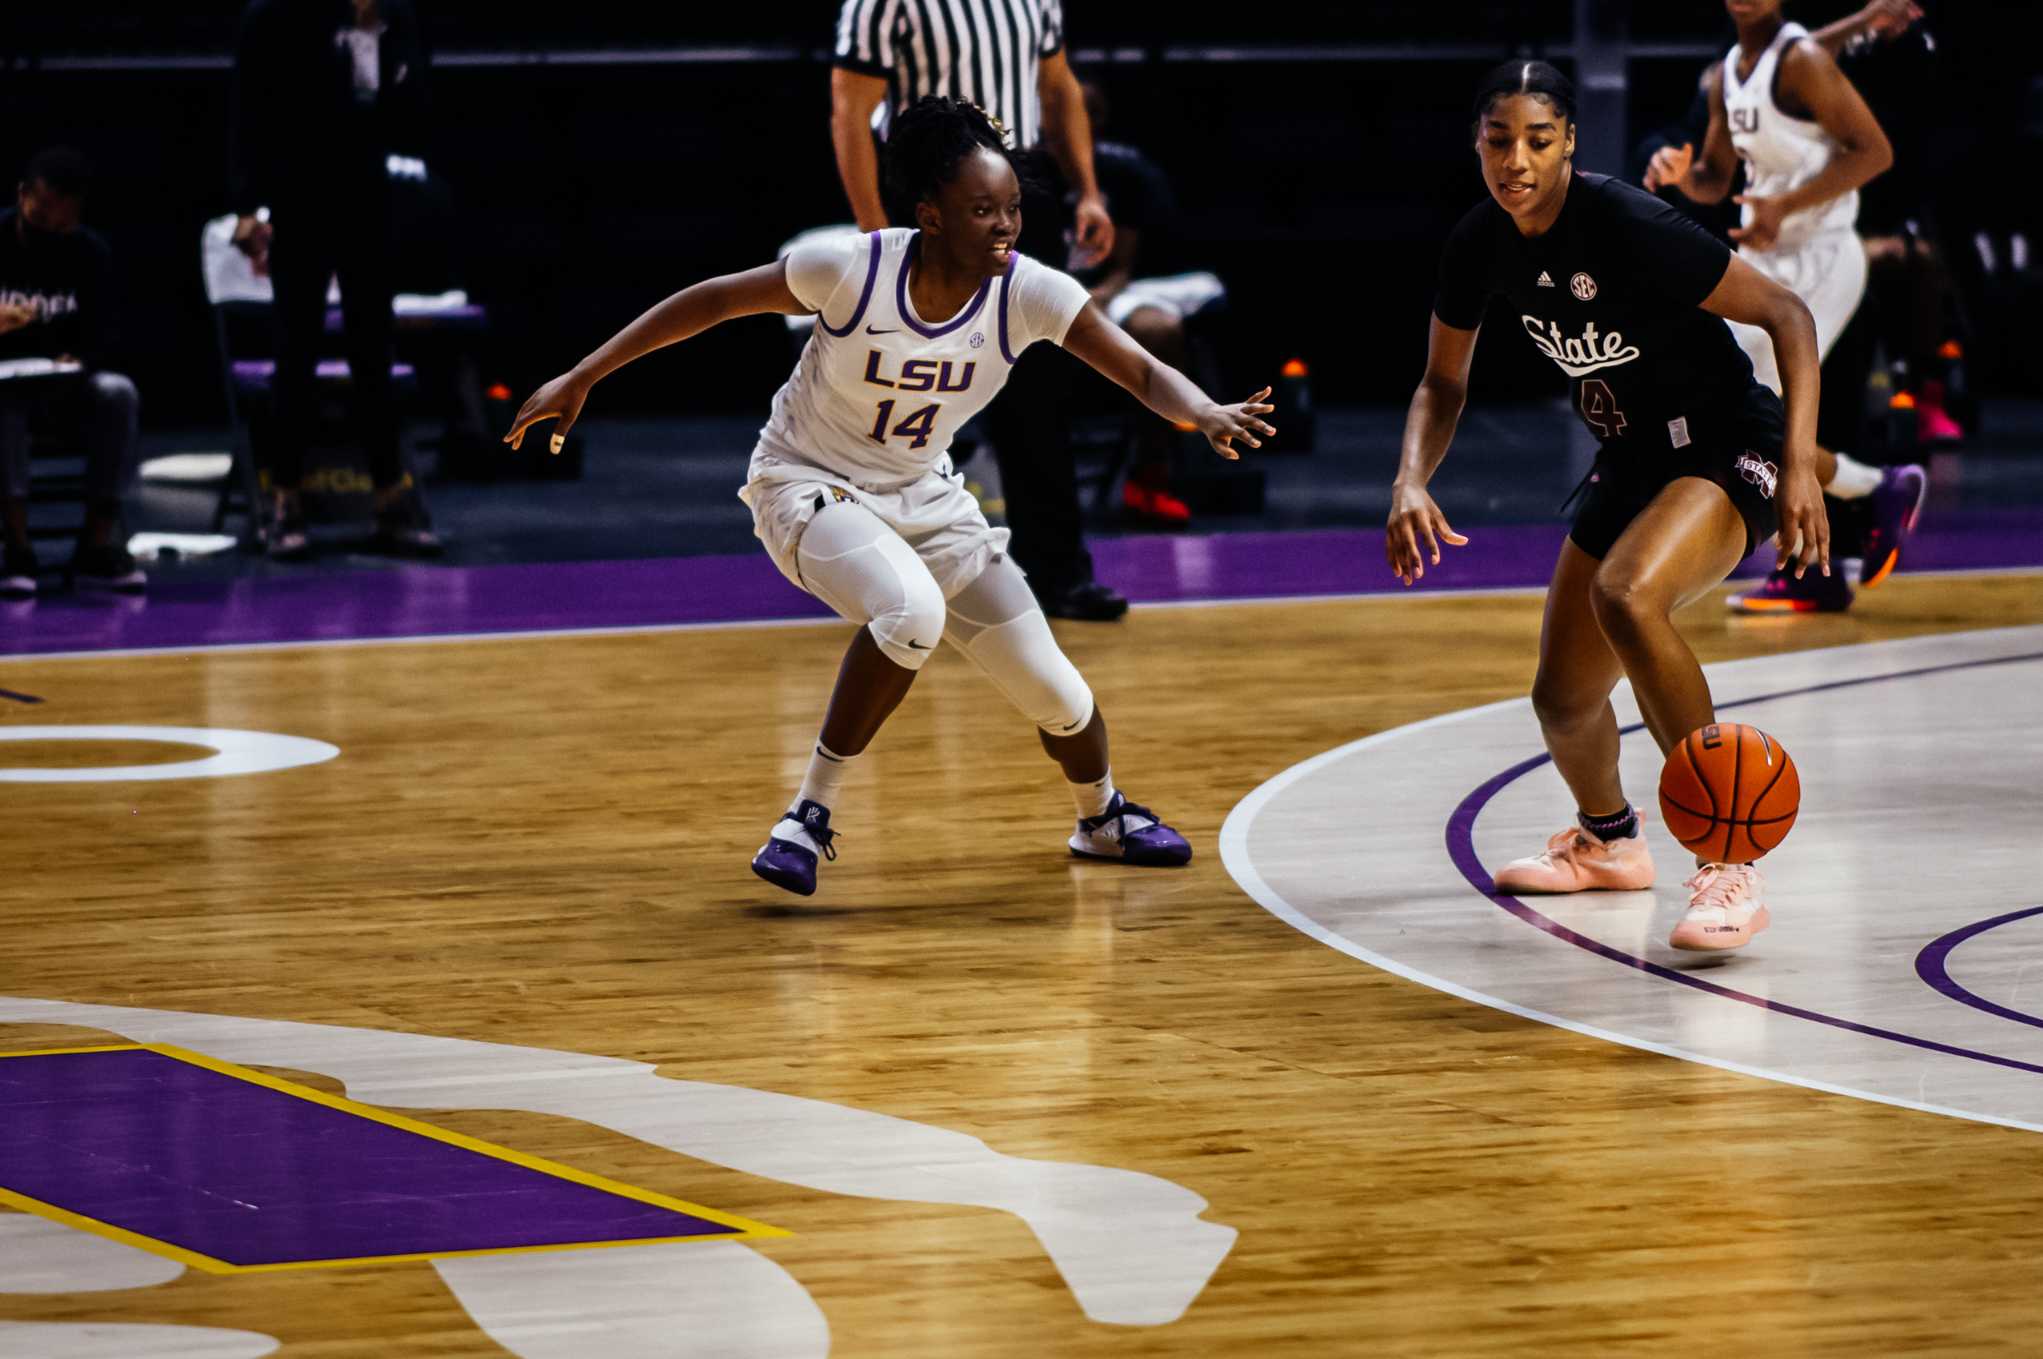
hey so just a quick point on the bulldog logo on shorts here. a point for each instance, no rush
(1758, 471)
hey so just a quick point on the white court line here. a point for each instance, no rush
(726, 625)
(1234, 833)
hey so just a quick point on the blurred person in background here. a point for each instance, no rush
(325, 92)
(1151, 307)
(56, 329)
(1808, 142)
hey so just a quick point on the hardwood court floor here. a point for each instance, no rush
(543, 841)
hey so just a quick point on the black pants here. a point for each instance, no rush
(1030, 425)
(346, 234)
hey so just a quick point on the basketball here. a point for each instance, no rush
(1729, 792)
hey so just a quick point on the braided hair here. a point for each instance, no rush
(929, 140)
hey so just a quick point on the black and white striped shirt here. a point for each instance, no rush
(986, 51)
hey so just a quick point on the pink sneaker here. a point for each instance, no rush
(1576, 861)
(1727, 908)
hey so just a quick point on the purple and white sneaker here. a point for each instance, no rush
(788, 858)
(1897, 507)
(1130, 834)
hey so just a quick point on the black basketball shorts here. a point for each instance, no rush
(1745, 460)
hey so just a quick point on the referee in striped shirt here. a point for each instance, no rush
(1006, 56)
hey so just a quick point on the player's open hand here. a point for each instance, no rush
(1805, 525)
(560, 399)
(1889, 19)
(1417, 528)
(1224, 424)
(1764, 228)
(1670, 166)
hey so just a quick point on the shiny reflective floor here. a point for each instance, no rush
(372, 1001)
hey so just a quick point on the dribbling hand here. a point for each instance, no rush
(560, 399)
(1805, 525)
(1416, 530)
(1224, 424)
(1670, 166)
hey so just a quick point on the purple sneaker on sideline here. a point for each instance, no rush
(1897, 506)
(1130, 834)
(790, 864)
(1782, 593)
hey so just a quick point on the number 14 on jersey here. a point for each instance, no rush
(917, 425)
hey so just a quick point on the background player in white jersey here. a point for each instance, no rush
(1779, 103)
(851, 485)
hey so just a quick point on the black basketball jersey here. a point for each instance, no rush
(1611, 293)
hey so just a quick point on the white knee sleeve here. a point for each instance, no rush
(996, 622)
(862, 569)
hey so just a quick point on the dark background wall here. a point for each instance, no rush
(602, 155)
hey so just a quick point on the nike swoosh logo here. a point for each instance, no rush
(875, 330)
(917, 646)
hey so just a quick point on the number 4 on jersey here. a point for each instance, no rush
(1599, 408)
(918, 426)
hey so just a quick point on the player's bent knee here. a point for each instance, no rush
(908, 625)
(1623, 605)
(1023, 660)
(862, 569)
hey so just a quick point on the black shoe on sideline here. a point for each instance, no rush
(108, 566)
(404, 529)
(285, 538)
(1087, 602)
(18, 572)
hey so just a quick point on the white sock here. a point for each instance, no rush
(826, 775)
(1854, 479)
(1092, 798)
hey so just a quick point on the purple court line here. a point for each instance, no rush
(441, 601)
(1461, 848)
(19, 698)
(1932, 966)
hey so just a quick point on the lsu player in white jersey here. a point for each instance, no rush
(851, 485)
(1779, 103)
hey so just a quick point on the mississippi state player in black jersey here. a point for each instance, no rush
(1698, 462)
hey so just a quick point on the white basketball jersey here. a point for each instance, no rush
(1781, 153)
(879, 393)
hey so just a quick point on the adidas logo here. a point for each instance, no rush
(1545, 279)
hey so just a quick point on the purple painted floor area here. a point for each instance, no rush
(438, 601)
(253, 1176)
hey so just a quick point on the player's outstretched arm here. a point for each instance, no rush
(1744, 294)
(1417, 527)
(1162, 388)
(1882, 19)
(689, 312)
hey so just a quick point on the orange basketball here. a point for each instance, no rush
(1729, 792)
